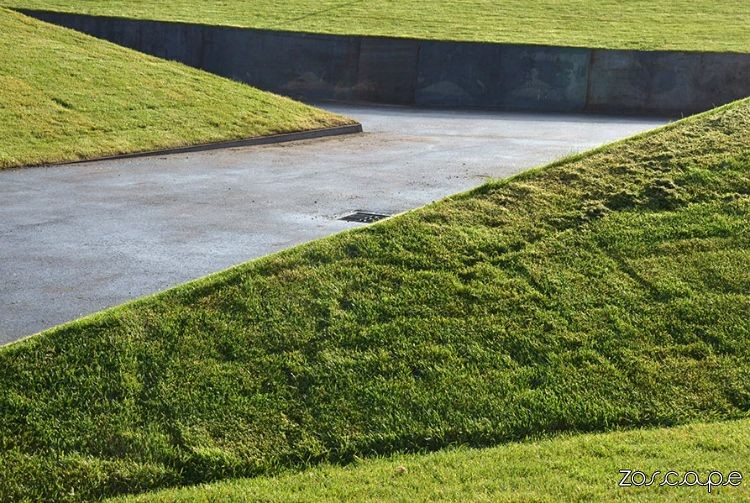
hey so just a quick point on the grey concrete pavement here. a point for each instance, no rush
(75, 239)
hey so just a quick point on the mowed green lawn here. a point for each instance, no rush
(65, 96)
(607, 291)
(572, 468)
(699, 25)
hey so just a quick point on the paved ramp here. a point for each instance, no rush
(76, 239)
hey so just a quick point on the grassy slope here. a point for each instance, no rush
(703, 25)
(610, 290)
(578, 468)
(66, 96)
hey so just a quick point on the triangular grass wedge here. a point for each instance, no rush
(65, 96)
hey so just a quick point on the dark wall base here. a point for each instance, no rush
(431, 73)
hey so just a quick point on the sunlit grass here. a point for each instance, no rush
(693, 25)
(571, 468)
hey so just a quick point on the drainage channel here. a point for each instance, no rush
(364, 217)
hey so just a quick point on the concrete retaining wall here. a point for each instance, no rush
(431, 73)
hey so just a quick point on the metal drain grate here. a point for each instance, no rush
(364, 217)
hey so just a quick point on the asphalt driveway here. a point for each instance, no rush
(75, 239)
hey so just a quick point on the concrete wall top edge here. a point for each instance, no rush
(434, 73)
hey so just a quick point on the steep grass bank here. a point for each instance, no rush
(610, 290)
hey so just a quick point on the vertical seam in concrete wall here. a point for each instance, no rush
(416, 73)
(202, 56)
(357, 82)
(139, 31)
(589, 66)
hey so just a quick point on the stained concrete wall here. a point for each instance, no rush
(433, 73)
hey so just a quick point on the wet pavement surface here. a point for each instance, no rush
(79, 238)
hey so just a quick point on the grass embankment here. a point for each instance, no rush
(66, 96)
(610, 290)
(693, 25)
(577, 468)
